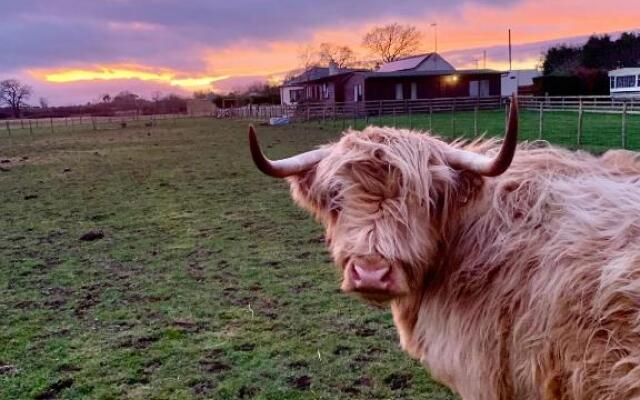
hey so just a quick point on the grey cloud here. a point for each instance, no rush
(39, 33)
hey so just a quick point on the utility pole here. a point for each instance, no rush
(435, 36)
(510, 50)
(484, 59)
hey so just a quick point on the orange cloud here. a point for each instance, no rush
(127, 71)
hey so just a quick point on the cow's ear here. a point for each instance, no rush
(302, 190)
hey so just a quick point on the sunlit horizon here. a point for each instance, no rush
(181, 48)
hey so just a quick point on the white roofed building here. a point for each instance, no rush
(625, 82)
(421, 62)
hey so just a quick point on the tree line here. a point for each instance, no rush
(584, 69)
(14, 94)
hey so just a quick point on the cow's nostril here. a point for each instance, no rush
(354, 273)
(371, 278)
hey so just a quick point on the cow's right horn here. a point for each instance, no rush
(485, 166)
(286, 167)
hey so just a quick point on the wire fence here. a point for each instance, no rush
(594, 123)
(35, 126)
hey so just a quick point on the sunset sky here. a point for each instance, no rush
(72, 51)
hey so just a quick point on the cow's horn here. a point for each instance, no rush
(286, 167)
(467, 160)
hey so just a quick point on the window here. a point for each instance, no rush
(612, 82)
(638, 81)
(414, 91)
(325, 90)
(627, 81)
(399, 94)
(295, 95)
(357, 93)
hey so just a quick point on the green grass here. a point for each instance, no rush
(209, 282)
(599, 131)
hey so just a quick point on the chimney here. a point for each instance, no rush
(333, 68)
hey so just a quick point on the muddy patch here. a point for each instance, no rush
(302, 382)
(398, 380)
(7, 369)
(203, 388)
(141, 342)
(52, 391)
(247, 392)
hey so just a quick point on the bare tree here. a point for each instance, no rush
(14, 93)
(308, 58)
(44, 103)
(342, 56)
(393, 41)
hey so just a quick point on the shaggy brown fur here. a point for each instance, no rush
(522, 286)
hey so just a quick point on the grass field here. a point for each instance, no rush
(599, 131)
(208, 282)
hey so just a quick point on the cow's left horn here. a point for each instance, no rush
(286, 167)
(469, 161)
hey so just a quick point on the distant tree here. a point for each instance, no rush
(156, 96)
(106, 98)
(562, 59)
(393, 41)
(44, 103)
(599, 53)
(14, 93)
(204, 95)
(126, 100)
(341, 56)
(308, 58)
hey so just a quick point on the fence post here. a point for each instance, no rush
(624, 125)
(51, 124)
(475, 120)
(355, 115)
(395, 124)
(430, 117)
(541, 120)
(506, 113)
(380, 112)
(30, 128)
(21, 123)
(453, 119)
(8, 128)
(410, 119)
(93, 122)
(580, 123)
(308, 112)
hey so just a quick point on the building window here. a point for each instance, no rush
(414, 91)
(295, 95)
(638, 81)
(325, 91)
(357, 93)
(627, 81)
(612, 82)
(399, 94)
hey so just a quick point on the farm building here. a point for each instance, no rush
(425, 76)
(200, 107)
(518, 81)
(298, 89)
(625, 82)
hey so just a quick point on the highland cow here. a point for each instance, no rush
(510, 274)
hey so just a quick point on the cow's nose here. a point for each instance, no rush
(371, 276)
